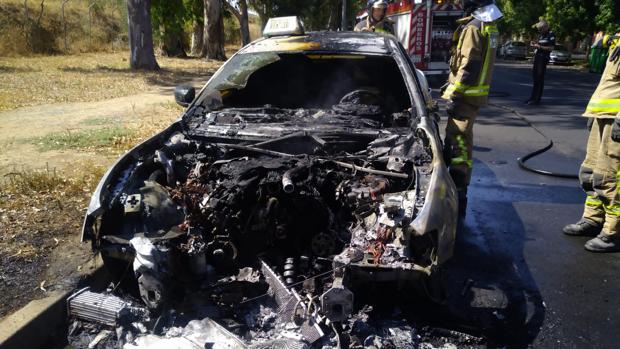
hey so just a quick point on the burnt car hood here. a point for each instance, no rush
(259, 222)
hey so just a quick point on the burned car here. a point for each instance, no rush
(303, 178)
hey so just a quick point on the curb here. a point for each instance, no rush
(42, 322)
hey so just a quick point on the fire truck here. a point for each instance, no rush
(425, 28)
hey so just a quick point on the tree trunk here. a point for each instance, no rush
(172, 44)
(142, 55)
(242, 16)
(64, 24)
(213, 47)
(244, 22)
(197, 38)
(261, 9)
(334, 15)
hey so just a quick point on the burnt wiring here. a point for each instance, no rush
(297, 283)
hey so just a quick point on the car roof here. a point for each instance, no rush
(326, 41)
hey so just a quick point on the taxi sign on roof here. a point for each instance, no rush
(283, 26)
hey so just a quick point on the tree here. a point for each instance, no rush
(213, 47)
(608, 18)
(195, 11)
(571, 18)
(33, 28)
(241, 12)
(142, 55)
(519, 16)
(64, 23)
(315, 13)
(264, 8)
(169, 17)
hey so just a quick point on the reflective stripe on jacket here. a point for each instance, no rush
(471, 64)
(605, 102)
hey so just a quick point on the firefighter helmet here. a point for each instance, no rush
(483, 10)
(376, 4)
(470, 6)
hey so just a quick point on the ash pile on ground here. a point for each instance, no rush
(198, 322)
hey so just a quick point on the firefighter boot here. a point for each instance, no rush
(604, 243)
(583, 228)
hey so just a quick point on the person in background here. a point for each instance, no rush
(376, 21)
(544, 46)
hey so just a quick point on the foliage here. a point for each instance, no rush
(28, 81)
(315, 13)
(99, 27)
(519, 16)
(569, 19)
(608, 18)
(168, 17)
(194, 10)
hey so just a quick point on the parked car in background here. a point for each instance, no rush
(560, 55)
(514, 50)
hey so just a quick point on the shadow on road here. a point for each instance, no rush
(491, 290)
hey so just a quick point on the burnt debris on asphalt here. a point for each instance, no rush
(279, 243)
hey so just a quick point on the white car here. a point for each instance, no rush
(560, 55)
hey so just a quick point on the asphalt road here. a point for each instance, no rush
(515, 277)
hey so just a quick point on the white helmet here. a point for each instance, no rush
(383, 4)
(488, 12)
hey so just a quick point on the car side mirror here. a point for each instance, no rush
(184, 95)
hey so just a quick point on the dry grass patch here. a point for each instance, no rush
(112, 136)
(40, 214)
(27, 81)
(41, 211)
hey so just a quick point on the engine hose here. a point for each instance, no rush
(522, 160)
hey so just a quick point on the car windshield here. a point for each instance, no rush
(518, 44)
(304, 80)
(560, 48)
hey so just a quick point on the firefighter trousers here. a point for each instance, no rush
(459, 143)
(600, 175)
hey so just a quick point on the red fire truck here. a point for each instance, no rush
(425, 28)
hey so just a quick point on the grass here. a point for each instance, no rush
(112, 135)
(41, 211)
(85, 139)
(40, 216)
(82, 179)
(101, 28)
(28, 81)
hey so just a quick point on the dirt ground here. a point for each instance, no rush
(60, 129)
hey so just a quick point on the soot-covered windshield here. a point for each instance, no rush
(301, 80)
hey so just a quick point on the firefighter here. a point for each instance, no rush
(471, 66)
(544, 46)
(600, 172)
(376, 20)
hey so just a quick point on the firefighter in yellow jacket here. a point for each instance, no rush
(471, 68)
(600, 172)
(376, 20)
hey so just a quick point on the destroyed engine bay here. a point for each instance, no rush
(268, 227)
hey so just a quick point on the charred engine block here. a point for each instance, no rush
(264, 205)
(324, 223)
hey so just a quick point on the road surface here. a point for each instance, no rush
(515, 277)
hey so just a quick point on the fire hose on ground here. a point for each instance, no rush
(522, 160)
